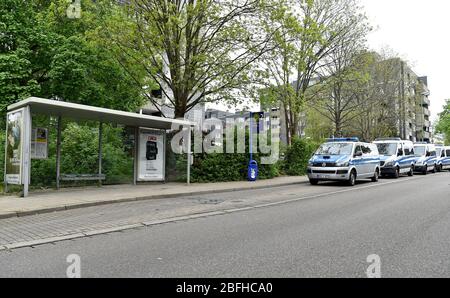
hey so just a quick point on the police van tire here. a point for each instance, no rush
(439, 168)
(313, 181)
(352, 179)
(376, 176)
(411, 171)
(425, 171)
(434, 169)
(397, 173)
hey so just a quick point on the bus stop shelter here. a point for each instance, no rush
(20, 128)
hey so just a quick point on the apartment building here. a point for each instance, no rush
(412, 105)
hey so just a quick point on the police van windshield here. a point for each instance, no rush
(387, 149)
(420, 150)
(335, 149)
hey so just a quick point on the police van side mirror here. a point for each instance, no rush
(358, 153)
(399, 152)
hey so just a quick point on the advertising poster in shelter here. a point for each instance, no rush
(39, 143)
(151, 155)
(14, 147)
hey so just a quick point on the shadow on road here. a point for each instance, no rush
(342, 184)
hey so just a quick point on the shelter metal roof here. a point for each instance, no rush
(84, 112)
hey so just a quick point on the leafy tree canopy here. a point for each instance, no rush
(443, 126)
(44, 53)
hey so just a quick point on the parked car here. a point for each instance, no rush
(426, 159)
(443, 157)
(397, 156)
(344, 159)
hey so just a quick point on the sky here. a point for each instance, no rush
(418, 31)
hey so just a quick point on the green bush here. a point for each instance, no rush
(79, 155)
(297, 156)
(223, 167)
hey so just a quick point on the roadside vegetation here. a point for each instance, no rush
(307, 58)
(443, 125)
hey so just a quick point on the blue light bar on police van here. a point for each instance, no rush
(342, 140)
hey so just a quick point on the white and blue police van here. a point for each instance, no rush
(397, 156)
(344, 159)
(443, 158)
(426, 159)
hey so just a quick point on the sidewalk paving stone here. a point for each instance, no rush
(51, 201)
(103, 219)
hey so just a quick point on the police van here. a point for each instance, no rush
(397, 156)
(426, 159)
(344, 159)
(443, 158)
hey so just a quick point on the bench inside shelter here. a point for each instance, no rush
(82, 177)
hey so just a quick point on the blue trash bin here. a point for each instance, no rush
(252, 170)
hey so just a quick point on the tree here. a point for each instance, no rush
(315, 30)
(197, 50)
(343, 75)
(18, 38)
(279, 63)
(443, 125)
(44, 53)
(380, 100)
(329, 25)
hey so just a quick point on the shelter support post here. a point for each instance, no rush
(135, 154)
(27, 151)
(58, 153)
(100, 152)
(5, 186)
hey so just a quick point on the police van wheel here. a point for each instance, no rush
(397, 173)
(434, 169)
(411, 171)
(352, 180)
(425, 171)
(376, 176)
(439, 168)
(313, 181)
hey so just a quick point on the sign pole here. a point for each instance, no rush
(251, 136)
(189, 156)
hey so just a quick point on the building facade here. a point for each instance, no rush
(412, 106)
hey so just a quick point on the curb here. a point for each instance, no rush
(136, 199)
(109, 230)
(41, 241)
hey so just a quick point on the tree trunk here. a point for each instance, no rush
(286, 120)
(180, 104)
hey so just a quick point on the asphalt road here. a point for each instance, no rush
(406, 222)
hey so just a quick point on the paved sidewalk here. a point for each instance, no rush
(50, 201)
